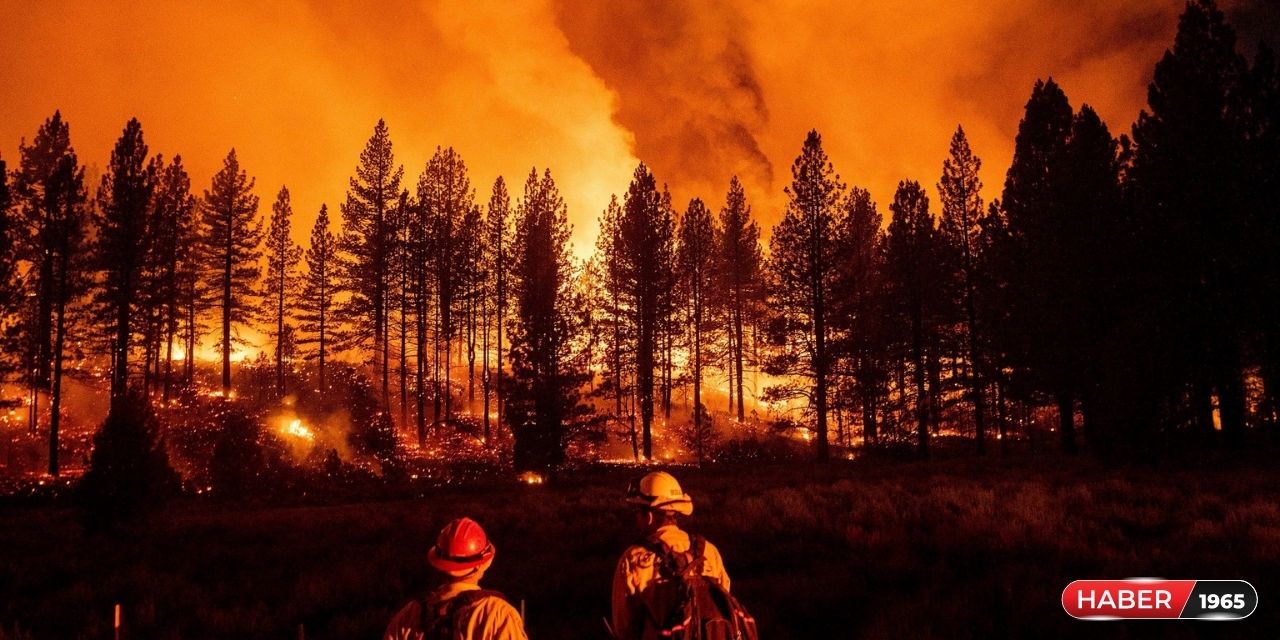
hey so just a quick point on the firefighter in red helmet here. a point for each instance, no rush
(460, 609)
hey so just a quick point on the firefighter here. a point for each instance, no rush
(658, 503)
(459, 610)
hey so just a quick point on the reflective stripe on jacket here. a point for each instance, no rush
(489, 618)
(636, 569)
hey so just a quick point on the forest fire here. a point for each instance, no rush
(294, 427)
(918, 341)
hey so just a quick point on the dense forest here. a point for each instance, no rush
(1123, 292)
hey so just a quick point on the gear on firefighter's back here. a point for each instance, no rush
(657, 492)
(488, 618)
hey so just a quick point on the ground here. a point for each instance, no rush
(866, 549)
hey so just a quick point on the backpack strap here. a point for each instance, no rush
(434, 614)
(679, 564)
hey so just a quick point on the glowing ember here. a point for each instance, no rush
(531, 478)
(296, 429)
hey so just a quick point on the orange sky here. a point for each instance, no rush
(699, 90)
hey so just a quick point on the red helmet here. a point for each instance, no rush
(462, 545)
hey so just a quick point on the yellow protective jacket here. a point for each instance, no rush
(489, 618)
(637, 569)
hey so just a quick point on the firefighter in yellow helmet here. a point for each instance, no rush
(658, 503)
(460, 609)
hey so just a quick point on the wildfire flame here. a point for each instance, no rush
(294, 427)
(531, 478)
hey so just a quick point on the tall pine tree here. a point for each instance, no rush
(319, 288)
(739, 280)
(280, 284)
(645, 252)
(547, 364)
(695, 257)
(959, 193)
(231, 234)
(804, 254)
(912, 263)
(50, 187)
(123, 200)
(367, 243)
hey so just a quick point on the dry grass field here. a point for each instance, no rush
(870, 549)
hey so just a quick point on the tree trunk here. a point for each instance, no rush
(1067, 421)
(226, 319)
(55, 396)
(922, 398)
(820, 369)
(737, 348)
(975, 365)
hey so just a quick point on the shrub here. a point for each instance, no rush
(246, 459)
(129, 473)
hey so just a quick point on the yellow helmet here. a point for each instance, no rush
(659, 491)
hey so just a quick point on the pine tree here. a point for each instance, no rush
(52, 197)
(739, 276)
(10, 279)
(497, 234)
(860, 308)
(280, 284)
(1030, 252)
(231, 233)
(367, 243)
(645, 252)
(121, 224)
(695, 258)
(1263, 127)
(319, 287)
(1187, 179)
(403, 267)
(172, 245)
(418, 253)
(445, 193)
(547, 365)
(615, 316)
(803, 261)
(912, 260)
(959, 192)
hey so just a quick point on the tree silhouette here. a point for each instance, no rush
(860, 318)
(367, 245)
(51, 194)
(129, 472)
(695, 259)
(403, 221)
(959, 193)
(1187, 180)
(645, 248)
(1263, 139)
(803, 260)
(319, 288)
(10, 279)
(739, 279)
(280, 284)
(121, 224)
(615, 316)
(1030, 252)
(448, 202)
(231, 233)
(171, 248)
(497, 237)
(546, 366)
(912, 262)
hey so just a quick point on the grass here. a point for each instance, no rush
(870, 549)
